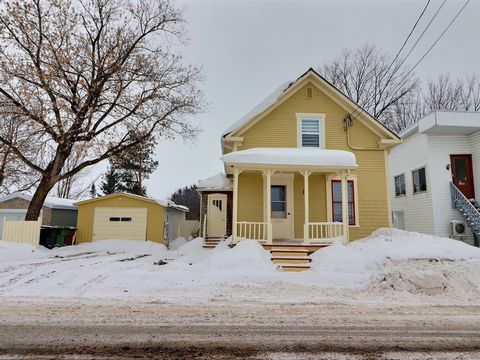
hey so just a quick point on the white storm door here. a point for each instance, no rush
(282, 208)
(217, 215)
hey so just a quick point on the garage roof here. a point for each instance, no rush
(164, 203)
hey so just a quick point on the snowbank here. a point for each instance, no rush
(115, 246)
(246, 256)
(389, 245)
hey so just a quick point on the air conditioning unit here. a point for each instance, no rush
(458, 228)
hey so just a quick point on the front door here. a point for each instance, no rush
(282, 208)
(462, 174)
(217, 215)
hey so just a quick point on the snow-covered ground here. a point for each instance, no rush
(389, 266)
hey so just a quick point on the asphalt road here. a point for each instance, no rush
(238, 330)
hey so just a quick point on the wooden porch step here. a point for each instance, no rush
(290, 252)
(291, 260)
(294, 267)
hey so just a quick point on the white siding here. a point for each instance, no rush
(410, 155)
(440, 147)
(475, 142)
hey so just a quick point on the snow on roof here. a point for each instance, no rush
(293, 157)
(216, 182)
(265, 104)
(50, 201)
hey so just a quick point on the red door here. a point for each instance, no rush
(462, 174)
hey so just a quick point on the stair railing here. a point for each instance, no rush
(460, 202)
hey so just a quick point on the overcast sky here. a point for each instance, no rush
(247, 48)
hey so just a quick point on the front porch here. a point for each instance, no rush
(303, 204)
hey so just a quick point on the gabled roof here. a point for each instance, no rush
(164, 203)
(288, 88)
(50, 202)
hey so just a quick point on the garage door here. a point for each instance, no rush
(120, 223)
(11, 214)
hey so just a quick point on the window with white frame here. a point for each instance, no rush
(311, 132)
(400, 185)
(337, 201)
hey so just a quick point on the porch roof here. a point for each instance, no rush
(292, 158)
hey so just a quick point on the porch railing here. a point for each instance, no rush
(252, 230)
(325, 232)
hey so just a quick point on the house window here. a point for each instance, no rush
(337, 201)
(400, 185)
(279, 202)
(419, 180)
(310, 132)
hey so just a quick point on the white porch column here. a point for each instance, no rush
(306, 174)
(345, 206)
(235, 206)
(268, 217)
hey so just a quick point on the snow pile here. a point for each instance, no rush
(116, 246)
(17, 251)
(292, 156)
(391, 259)
(246, 256)
(389, 244)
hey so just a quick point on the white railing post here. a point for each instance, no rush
(345, 206)
(306, 174)
(269, 206)
(235, 206)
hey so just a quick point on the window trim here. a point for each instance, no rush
(426, 181)
(321, 127)
(404, 185)
(328, 183)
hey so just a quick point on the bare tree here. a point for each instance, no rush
(14, 174)
(78, 185)
(95, 72)
(406, 112)
(447, 94)
(372, 79)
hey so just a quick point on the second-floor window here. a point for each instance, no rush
(311, 132)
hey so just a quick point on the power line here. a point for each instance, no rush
(401, 83)
(403, 46)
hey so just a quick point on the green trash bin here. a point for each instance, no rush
(61, 237)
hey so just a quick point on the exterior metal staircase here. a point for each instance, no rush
(468, 210)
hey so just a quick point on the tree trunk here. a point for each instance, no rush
(47, 183)
(38, 199)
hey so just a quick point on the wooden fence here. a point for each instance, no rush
(26, 232)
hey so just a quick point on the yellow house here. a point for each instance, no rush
(307, 164)
(127, 217)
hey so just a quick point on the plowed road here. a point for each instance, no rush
(235, 330)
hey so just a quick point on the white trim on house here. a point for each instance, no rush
(328, 184)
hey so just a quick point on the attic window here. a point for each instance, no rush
(308, 93)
